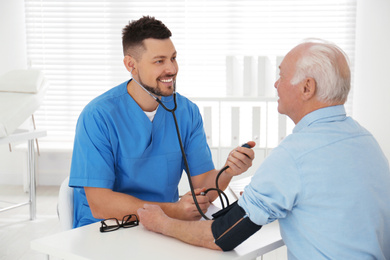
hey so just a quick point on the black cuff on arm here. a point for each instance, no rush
(232, 228)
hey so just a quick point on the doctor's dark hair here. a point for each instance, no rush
(137, 31)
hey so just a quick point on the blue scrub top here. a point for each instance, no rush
(117, 147)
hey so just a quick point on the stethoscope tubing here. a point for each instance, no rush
(187, 167)
(185, 157)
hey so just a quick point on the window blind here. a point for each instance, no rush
(77, 44)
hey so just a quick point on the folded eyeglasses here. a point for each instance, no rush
(112, 224)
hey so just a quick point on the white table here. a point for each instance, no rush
(138, 243)
(29, 136)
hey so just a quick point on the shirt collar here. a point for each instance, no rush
(326, 114)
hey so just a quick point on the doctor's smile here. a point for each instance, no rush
(166, 80)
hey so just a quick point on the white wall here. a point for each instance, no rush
(13, 56)
(13, 36)
(53, 166)
(371, 100)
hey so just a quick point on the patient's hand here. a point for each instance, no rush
(153, 218)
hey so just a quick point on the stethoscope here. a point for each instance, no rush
(220, 192)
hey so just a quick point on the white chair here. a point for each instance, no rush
(65, 205)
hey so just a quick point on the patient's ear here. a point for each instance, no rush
(309, 88)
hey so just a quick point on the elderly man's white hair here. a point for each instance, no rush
(328, 65)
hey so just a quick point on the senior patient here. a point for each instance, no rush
(327, 183)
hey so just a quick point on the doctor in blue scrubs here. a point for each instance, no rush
(126, 150)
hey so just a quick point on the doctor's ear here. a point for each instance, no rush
(129, 63)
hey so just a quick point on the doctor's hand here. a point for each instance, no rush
(240, 159)
(186, 208)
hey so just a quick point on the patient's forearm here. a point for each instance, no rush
(196, 233)
(192, 232)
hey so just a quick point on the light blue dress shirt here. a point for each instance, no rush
(328, 184)
(117, 147)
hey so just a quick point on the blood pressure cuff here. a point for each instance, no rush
(232, 226)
